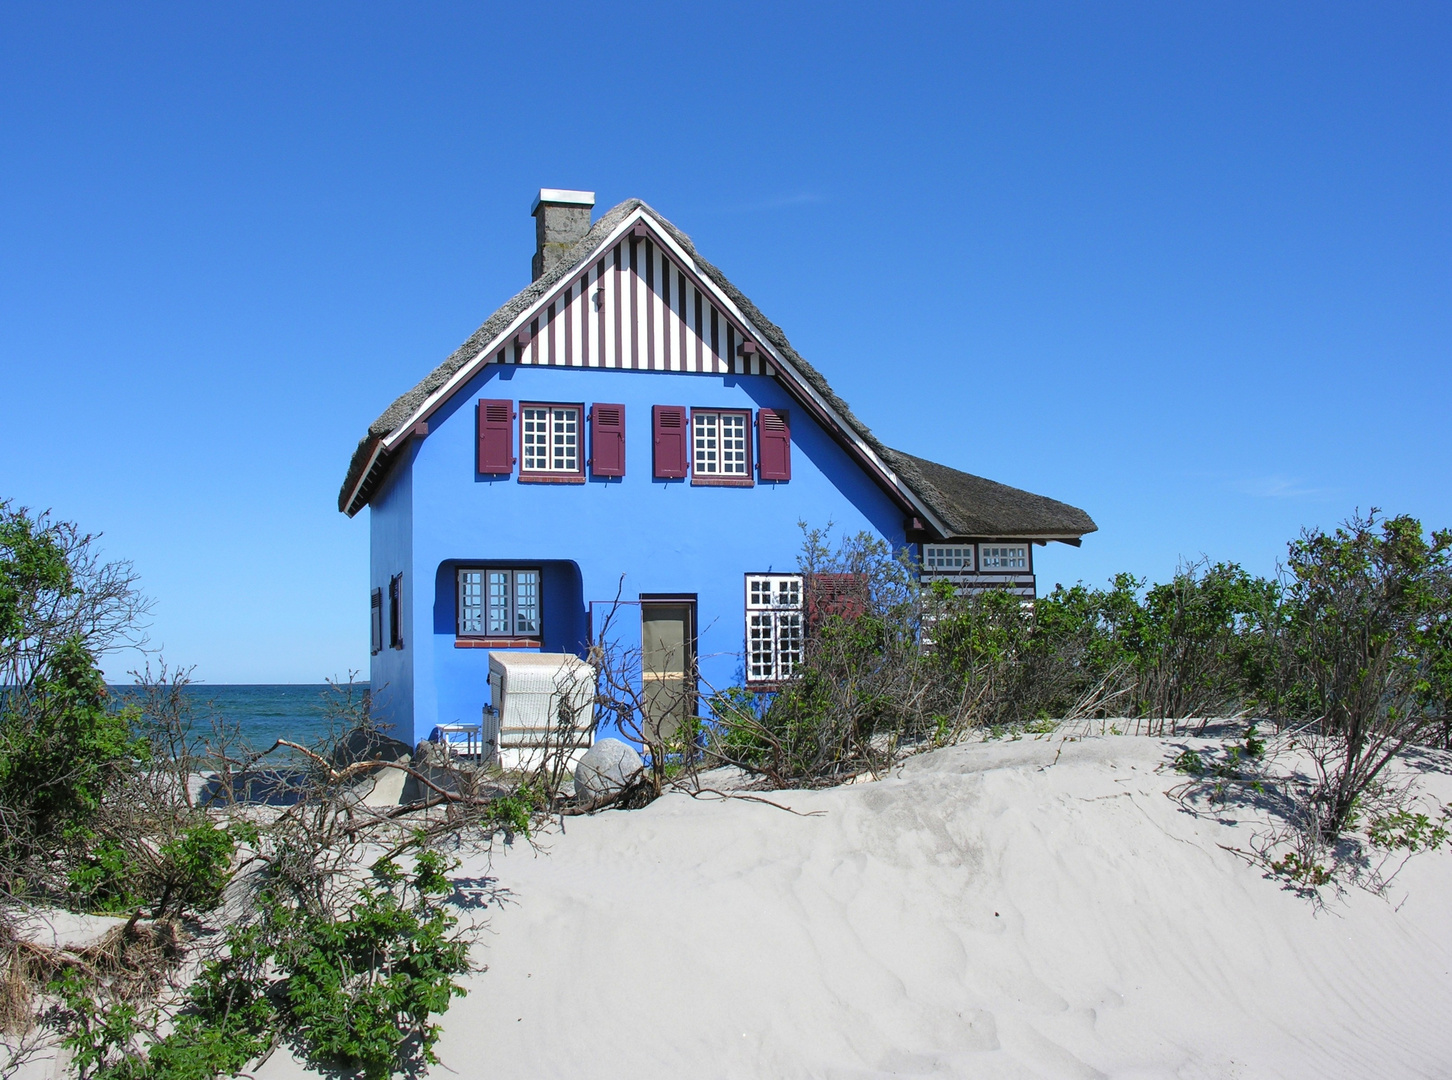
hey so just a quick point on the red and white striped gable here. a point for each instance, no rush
(635, 307)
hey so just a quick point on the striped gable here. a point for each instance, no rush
(636, 307)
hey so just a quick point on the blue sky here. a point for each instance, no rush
(1188, 266)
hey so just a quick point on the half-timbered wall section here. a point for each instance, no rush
(635, 308)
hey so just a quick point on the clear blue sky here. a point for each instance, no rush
(1188, 266)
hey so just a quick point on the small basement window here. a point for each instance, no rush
(499, 603)
(549, 438)
(996, 557)
(721, 446)
(775, 626)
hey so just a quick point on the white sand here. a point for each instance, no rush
(986, 912)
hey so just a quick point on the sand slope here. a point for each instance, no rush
(988, 911)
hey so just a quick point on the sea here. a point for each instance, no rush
(261, 714)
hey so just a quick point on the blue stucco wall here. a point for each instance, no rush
(663, 536)
(390, 522)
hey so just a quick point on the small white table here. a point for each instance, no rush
(473, 737)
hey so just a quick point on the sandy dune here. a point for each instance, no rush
(988, 911)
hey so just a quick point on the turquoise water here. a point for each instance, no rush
(298, 712)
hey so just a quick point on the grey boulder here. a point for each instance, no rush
(368, 744)
(605, 770)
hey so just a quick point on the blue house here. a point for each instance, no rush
(631, 428)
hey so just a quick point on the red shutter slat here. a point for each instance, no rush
(843, 595)
(668, 426)
(607, 440)
(774, 443)
(496, 437)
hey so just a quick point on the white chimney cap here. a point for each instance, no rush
(562, 196)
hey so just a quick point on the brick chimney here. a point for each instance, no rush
(561, 220)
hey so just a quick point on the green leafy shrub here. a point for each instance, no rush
(1409, 830)
(1363, 652)
(360, 991)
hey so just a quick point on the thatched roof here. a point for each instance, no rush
(969, 505)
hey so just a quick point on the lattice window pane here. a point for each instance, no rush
(471, 602)
(535, 435)
(761, 646)
(733, 444)
(706, 434)
(788, 643)
(526, 603)
(564, 440)
(499, 588)
(1003, 558)
(759, 594)
(951, 558)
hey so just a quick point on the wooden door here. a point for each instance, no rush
(668, 666)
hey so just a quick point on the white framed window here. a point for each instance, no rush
(498, 602)
(549, 438)
(775, 626)
(948, 558)
(720, 445)
(996, 558)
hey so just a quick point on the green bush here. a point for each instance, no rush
(360, 991)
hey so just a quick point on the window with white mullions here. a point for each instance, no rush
(720, 445)
(499, 603)
(550, 438)
(775, 627)
(997, 558)
(948, 558)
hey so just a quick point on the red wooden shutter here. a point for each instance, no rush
(774, 443)
(843, 595)
(668, 424)
(607, 440)
(496, 437)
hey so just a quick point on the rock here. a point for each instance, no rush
(605, 770)
(368, 744)
(432, 754)
(387, 786)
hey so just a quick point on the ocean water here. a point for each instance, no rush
(299, 712)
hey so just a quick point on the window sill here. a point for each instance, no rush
(496, 643)
(551, 478)
(722, 481)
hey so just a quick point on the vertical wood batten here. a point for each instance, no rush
(668, 315)
(682, 293)
(616, 284)
(633, 280)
